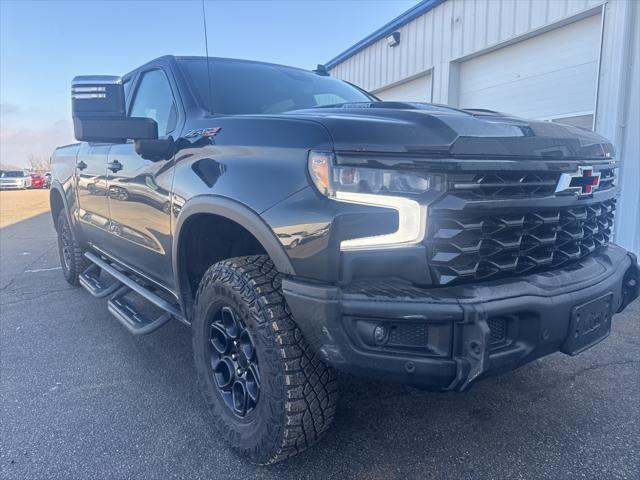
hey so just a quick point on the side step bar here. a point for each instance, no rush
(134, 321)
(90, 280)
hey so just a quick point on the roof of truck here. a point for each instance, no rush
(177, 58)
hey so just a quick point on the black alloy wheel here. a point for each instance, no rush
(234, 361)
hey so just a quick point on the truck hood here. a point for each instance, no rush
(435, 130)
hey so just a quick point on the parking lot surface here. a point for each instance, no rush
(82, 398)
(18, 205)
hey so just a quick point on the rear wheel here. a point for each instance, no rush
(270, 395)
(71, 255)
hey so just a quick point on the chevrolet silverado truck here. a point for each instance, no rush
(300, 226)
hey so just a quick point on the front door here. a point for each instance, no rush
(139, 190)
(91, 178)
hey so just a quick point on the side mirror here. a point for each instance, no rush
(99, 114)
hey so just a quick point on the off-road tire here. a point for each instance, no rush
(297, 390)
(76, 262)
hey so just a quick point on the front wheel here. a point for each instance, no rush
(270, 395)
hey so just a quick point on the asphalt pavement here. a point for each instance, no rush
(83, 399)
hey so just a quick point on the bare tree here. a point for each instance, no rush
(38, 164)
(10, 166)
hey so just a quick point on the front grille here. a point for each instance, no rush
(493, 185)
(607, 178)
(484, 246)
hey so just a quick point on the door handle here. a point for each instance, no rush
(114, 166)
(81, 165)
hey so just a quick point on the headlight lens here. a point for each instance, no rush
(376, 187)
(330, 179)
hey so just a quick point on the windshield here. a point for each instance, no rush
(12, 174)
(239, 87)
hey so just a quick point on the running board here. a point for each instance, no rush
(134, 321)
(90, 280)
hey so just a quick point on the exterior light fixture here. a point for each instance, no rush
(393, 40)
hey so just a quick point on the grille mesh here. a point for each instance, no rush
(491, 185)
(498, 330)
(478, 247)
(498, 185)
(409, 334)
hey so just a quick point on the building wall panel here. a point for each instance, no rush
(453, 29)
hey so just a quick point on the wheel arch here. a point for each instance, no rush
(231, 211)
(57, 203)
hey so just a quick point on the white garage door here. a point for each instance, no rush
(550, 76)
(416, 90)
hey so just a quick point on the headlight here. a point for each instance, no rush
(376, 187)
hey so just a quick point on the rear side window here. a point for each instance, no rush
(154, 99)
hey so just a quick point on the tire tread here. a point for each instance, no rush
(310, 386)
(78, 261)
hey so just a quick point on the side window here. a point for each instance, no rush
(153, 99)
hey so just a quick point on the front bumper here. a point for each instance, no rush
(12, 185)
(446, 338)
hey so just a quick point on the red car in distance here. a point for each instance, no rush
(37, 181)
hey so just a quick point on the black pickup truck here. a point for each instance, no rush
(299, 225)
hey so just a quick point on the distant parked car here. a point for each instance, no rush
(37, 181)
(47, 180)
(15, 179)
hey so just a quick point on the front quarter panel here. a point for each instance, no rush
(247, 166)
(257, 161)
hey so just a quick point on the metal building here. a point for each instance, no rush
(572, 61)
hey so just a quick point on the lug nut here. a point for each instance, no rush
(239, 372)
(234, 356)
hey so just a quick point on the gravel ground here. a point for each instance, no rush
(81, 398)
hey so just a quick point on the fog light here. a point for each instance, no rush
(380, 334)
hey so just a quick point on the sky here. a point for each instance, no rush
(44, 44)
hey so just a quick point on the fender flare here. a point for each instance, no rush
(236, 212)
(57, 187)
